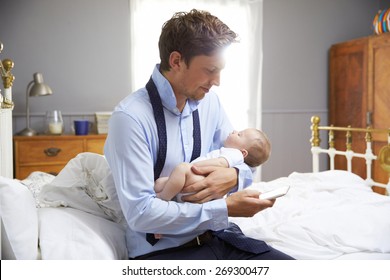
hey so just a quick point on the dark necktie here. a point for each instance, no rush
(234, 236)
(159, 117)
(196, 135)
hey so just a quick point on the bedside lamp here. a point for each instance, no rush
(34, 88)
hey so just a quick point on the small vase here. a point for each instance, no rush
(54, 122)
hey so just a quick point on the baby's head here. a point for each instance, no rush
(253, 143)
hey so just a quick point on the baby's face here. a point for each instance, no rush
(239, 139)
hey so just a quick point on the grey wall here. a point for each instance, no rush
(384, 4)
(82, 49)
(297, 36)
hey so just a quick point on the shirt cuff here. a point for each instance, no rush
(219, 213)
(236, 187)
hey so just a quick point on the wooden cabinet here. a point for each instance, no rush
(51, 153)
(359, 85)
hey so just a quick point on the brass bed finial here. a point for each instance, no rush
(384, 158)
(315, 133)
(384, 155)
(5, 72)
(8, 78)
(368, 136)
(348, 137)
(331, 138)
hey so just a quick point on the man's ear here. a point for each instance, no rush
(175, 60)
(244, 153)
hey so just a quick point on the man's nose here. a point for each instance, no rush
(216, 79)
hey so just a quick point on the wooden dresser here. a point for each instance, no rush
(49, 153)
(360, 93)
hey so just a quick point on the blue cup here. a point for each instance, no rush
(81, 127)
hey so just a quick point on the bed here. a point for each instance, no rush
(332, 214)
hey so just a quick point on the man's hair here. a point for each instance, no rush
(191, 34)
(259, 151)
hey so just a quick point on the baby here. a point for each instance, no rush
(250, 146)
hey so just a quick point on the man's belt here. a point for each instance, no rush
(200, 240)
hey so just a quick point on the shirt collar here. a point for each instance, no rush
(167, 96)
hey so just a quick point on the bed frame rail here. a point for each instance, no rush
(383, 156)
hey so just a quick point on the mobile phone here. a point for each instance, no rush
(275, 193)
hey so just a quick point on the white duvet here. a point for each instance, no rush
(324, 216)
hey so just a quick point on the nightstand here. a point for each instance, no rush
(50, 153)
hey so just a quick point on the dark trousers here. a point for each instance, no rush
(215, 249)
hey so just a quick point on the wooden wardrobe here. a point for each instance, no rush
(359, 87)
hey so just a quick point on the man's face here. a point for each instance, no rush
(200, 75)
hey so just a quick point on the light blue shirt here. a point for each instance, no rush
(131, 151)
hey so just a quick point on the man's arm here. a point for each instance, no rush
(246, 203)
(218, 182)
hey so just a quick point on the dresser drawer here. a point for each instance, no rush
(50, 154)
(95, 146)
(48, 150)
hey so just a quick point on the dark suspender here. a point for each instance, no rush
(159, 117)
(162, 132)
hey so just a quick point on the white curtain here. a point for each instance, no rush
(240, 89)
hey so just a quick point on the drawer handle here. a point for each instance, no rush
(52, 152)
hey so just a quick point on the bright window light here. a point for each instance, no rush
(147, 18)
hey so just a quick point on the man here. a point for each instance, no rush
(173, 119)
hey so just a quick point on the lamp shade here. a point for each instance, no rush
(39, 88)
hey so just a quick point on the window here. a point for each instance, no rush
(240, 86)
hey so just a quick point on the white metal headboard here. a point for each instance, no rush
(369, 156)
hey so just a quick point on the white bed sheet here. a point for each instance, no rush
(365, 256)
(326, 215)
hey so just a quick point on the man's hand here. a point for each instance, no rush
(246, 203)
(218, 182)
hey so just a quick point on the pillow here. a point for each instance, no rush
(85, 183)
(34, 183)
(19, 219)
(71, 234)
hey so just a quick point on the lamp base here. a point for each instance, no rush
(27, 132)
